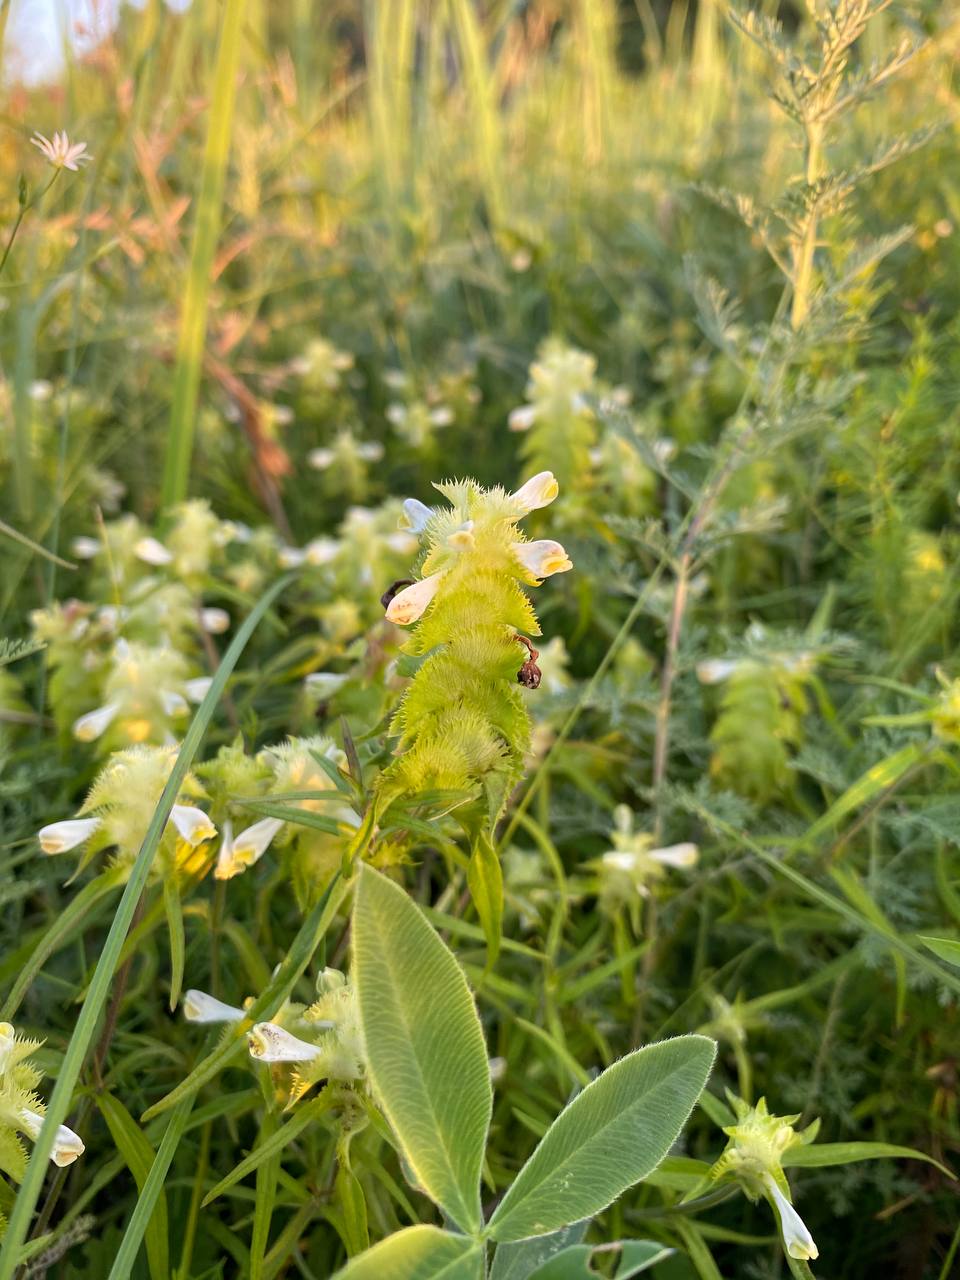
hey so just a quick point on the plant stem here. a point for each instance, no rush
(24, 207)
(804, 253)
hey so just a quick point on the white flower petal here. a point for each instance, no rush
(797, 1239)
(152, 551)
(192, 823)
(716, 670)
(677, 855)
(416, 515)
(251, 844)
(59, 837)
(174, 704)
(324, 684)
(66, 1145)
(8, 1039)
(271, 1043)
(198, 689)
(89, 727)
(214, 621)
(85, 548)
(321, 551)
(226, 867)
(409, 604)
(539, 491)
(320, 459)
(523, 418)
(542, 558)
(200, 1007)
(290, 557)
(620, 860)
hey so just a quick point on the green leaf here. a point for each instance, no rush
(174, 911)
(272, 1146)
(299, 817)
(425, 1048)
(574, 1263)
(822, 1154)
(150, 1193)
(418, 1253)
(353, 1207)
(521, 1259)
(611, 1136)
(266, 1194)
(485, 881)
(876, 779)
(946, 948)
(139, 1156)
(60, 930)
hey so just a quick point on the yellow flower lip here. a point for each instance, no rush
(542, 558)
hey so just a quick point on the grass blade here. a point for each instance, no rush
(271, 1146)
(150, 1193)
(139, 1157)
(193, 320)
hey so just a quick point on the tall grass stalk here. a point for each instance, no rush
(193, 321)
(99, 990)
(481, 104)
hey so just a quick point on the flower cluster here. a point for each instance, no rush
(633, 865)
(317, 1042)
(462, 721)
(753, 1158)
(118, 809)
(557, 422)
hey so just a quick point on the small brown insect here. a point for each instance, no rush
(529, 674)
(392, 590)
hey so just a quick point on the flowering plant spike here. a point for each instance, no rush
(462, 721)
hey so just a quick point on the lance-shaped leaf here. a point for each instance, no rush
(426, 1055)
(611, 1136)
(636, 1256)
(418, 1253)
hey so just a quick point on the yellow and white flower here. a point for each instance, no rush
(200, 1007)
(60, 837)
(240, 852)
(89, 727)
(410, 604)
(539, 491)
(542, 558)
(67, 1146)
(192, 823)
(8, 1040)
(214, 621)
(152, 551)
(797, 1240)
(271, 1043)
(416, 515)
